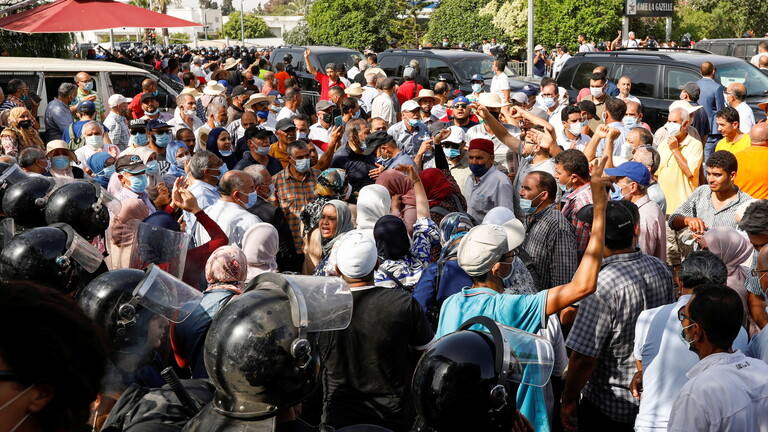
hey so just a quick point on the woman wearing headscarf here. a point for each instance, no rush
(225, 272)
(102, 165)
(261, 243)
(176, 155)
(62, 158)
(734, 249)
(220, 143)
(20, 132)
(331, 185)
(121, 230)
(336, 220)
(443, 193)
(373, 202)
(404, 259)
(400, 189)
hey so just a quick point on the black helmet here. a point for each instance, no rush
(53, 255)
(82, 205)
(25, 201)
(9, 175)
(258, 352)
(468, 380)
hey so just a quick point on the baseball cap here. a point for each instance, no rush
(693, 90)
(461, 99)
(285, 124)
(147, 96)
(356, 254)
(483, 144)
(130, 163)
(241, 90)
(375, 139)
(409, 105)
(157, 124)
(117, 99)
(617, 218)
(482, 247)
(256, 132)
(409, 72)
(477, 77)
(86, 106)
(137, 124)
(457, 135)
(324, 105)
(520, 98)
(634, 171)
(530, 90)
(684, 105)
(589, 107)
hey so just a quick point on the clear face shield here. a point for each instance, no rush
(165, 295)
(160, 246)
(78, 249)
(12, 175)
(7, 229)
(105, 199)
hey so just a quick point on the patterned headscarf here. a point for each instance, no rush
(227, 265)
(452, 229)
(25, 137)
(331, 184)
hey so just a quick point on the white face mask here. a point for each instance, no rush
(673, 128)
(96, 142)
(575, 128)
(596, 91)
(190, 113)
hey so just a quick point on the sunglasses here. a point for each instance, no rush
(138, 131)
(457, 106)
(450, 145)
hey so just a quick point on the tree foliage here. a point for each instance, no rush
(562, 20)
(227, 7)
(38, 45)
(299, 35)
(352, 23)
(461, 21)
(254, 26)
(405, 26)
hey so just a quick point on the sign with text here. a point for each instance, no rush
(649, 8)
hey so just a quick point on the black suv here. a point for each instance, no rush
(460, 64)
(743, 48)
(657, 76)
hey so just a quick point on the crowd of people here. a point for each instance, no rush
(386, 219)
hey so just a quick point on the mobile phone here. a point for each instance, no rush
(337, 120)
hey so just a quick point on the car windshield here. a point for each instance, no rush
(741, 72)
(349, 58)
(477, 65)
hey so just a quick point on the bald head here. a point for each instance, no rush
(148, 85)
(737, 91)
(759, 135)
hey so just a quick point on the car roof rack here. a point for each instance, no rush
(664, 49)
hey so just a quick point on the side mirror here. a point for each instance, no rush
(166, 101)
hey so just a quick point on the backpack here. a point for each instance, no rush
(75, 142)
(442, 211)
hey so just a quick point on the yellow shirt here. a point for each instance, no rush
(674, 183)
(751, 176)
(734, 147)
(280, 155)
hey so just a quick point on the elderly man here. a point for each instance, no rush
(327, 80)
(230, 212)
(85, 92)
(736, 96)
(131, 172)
(409, 133)
(487, 187)
(33, 160)
(186, 114)
(679, 176)
(388, 153)
(383, 105)
(116, 122)
(206, 170)
(751, 177)
(58, 116)
(285, 131)
(216, 115)
(93, 134)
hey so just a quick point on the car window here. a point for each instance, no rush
(32, 80)
(128, 85)
(392, 65)
(644, 78)
(582, 74)
(342, 57)
(719, 48)
(739, 50)
(436, 67)
(744, 73)
(675, 79)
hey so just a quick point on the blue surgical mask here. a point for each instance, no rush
(108, 171)
(507, 280)
(151, 113)
(60, 162)
(616, 193)
(253, 197)
(222, 169)
(451, 153)
(225, 153)
(414, 122)
(564, 187)
(478, 170)
(356, 114)
(88, 86)
(263, 150)
(140, 139)
(152, 168)
(301, 135)
(302, 165)
(548, 102)
(477, 88)
(526, 205)
(629, 122)
(382, 161)
(138, 183)
(155, 93)
(162, 140)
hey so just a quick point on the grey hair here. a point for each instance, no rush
(30, 155)
(66, 88)
(199, 163)
(755, 219)
(213, 107)
(682, 112)
(182, 97)
(91, 124)
(256, 171)
(296, 145)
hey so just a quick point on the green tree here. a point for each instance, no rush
(254, 26)
(462, 21)
(405, 26)
(352, 23)
(37, 44)
(207, 4)
(297, 7)
(562, 20)
(226, 7)
(299, 35)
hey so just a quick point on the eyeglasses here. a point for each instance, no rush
(9, 376)
(756, 272)
(460, 106)
(138, 131)
(681, 315)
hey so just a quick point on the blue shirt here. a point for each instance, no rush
(78, 129)
(57, 119)
(452, 281)
(524, 312)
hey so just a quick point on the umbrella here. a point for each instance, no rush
(65, 16)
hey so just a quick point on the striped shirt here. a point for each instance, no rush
(573, 202)
(699, 205)
(291, 195)
(550, 241)
(81, 94)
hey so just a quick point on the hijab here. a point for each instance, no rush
(96, 165)
(331, 184)
(170, 157)
(373, 202)
(732, 248)
(122, 229)
(261, 244)
(398, 183)
(452, 229)
(227, 265)
(392, 241)
(213, 147)
(25, 137)
(437, 187)
(343, 224)
(498, 216)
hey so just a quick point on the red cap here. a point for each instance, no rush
(483, 144)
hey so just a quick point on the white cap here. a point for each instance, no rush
(409, 105)
(491, 100)
(117, 99)
(356, 254)
(482, 247)
(538, 47)
(457, 135)
(684, 105)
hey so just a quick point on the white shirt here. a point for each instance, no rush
(666, 359)
(352, 72)
(585, 47)
(439, 111)
(746, 117)
(579, 143)
(318, 132)
(631, 43)
(368, 96)
(499, 83)
(177, 123)
(756, 59)
(233, 220)
(631, 99)
(286, 113)
(726, 392)
(86, 151)
(560, 62)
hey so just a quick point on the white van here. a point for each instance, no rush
(44, 75)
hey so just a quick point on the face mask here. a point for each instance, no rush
(222, 170)
(155, 93)
(302, 165)
(616, 194)
(96, 142)
(88, 86)
(264, 114)
(151, 113)
(382, 160)
(240, 131)
(596, 91)
(271, 189)
(190, 113)
(182, 161)
(327, 118)
(564, 187)
(507, 280)
(217, 124)
(526, 205)
(548, 102)
(477, 88)
(684, 339)
(356, 114)
(301, 135)
(152, 168)
(414, 122)
(5, 405)
(108, 171)
(575, 128)
(451, 153)
(162, 140)
(445, 44)
(138, 183)
(140, 139)
(24, 124)
(673, 128)
(225, 153)
(253, 197)
(478, 170)
(629, 122)
(60, 162)
(263, 151)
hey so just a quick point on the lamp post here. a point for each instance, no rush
(242, 24)
(529, 57)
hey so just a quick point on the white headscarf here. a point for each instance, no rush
(261, 244)
(373, 202)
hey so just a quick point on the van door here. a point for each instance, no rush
(645, 86)
(392, 65)
(128, 84)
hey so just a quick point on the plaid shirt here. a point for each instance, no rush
(700, 205)
(628, 284)
(573, 202)
(550, 241)
(291, 195)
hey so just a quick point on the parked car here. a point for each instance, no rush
(459, 64)
(743, 48)
(657, 76)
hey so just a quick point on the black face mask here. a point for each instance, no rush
(327, 118)
(25, 124)
(495, 114)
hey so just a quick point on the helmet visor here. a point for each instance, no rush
(12, 175)
(529, 358)
(84, 253)
(166, 295)
(157, 245)
(8, 230)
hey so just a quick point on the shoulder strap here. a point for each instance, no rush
(457, 201)
(394, 279)
(442, 211)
